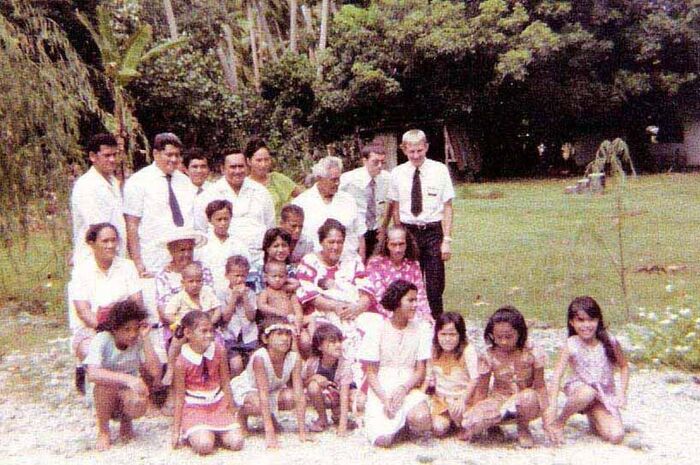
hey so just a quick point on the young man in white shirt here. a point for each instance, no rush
(421, 194)
(324, 201)
(97, 196)
(369, 185)
(196, 165)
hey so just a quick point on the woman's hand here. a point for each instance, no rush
(397, 397)
(388, 409)
(174, 438)
(144, 330)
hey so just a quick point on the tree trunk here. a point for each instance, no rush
(170, 17)
(293, 7)
(231, 55)
(226, 66)
(309, 26)
(323, 38)
(254, 47)
(271, 46)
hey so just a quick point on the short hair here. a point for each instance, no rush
(269, 264)
(329, 225)
(324, 165)
(461, 328)
(324, 331)
(191, 268)
(216, 205)
(391, 300)
(236, 261)
(100, 139)
(271, 236)
(254, 144)
(374, 147)
(194, 153)
(291, 210)
(412, 251)
(121, 313)
(166, 138)
(94, 230)
(414, 136)
(512, 316)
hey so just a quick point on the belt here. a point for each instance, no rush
(423, 226)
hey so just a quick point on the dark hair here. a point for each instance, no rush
(457, 320)
(193, 264)
(291, 210)
(592, 309)
(395, 292)
(271, 236)
(94, 230)
(329, 225)
(189, 321)
(236, 261)
(254, 144)
(324, 331)
(216, 205)
(412, 252)
(98, 140)
(273, 262)
(369, 149)
(166, 138)
(121, 313)
(194, 153)
(269, 321)
(512, 316)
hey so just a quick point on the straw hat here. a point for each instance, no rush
(183, 234)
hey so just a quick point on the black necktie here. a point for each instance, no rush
(172, 200)
(416, 194)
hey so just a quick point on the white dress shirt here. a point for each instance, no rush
(89, 283)
(253, 212)
(146, 197)
(96, 199)
(342, 208)
(436, 187)
(356, 183)
(214, 254)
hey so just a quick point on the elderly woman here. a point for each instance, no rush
(98, 281)
(259, 161)
(398, 259)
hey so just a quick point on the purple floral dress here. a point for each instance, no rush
(382, 272)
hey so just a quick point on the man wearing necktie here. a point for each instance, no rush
(421, 194)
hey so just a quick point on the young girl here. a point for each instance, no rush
(593, 356)
(327, 377)
(204, 406)
(119, 355)
(518, 393)
(453, 372)
(395, 350)
(262, 389)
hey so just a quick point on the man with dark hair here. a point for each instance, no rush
(156, 199)
(196, 166)
(292, 221)
(369, 185)
(97, 197)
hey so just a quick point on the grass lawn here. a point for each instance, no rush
(530, 247)
(533, 247)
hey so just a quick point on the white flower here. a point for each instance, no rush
(665, 322)
(667, 350)
(685, 312)
(641, 314)
(670, 288)
(681, 349)
(691, 335)
(656, 361)
(651, 316)
(673, 317)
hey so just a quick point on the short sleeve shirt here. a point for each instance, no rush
(436, 189)
(104, 353)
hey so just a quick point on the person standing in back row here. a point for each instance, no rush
(421, 194)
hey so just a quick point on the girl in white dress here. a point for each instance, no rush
(261, 390)
(396, 350)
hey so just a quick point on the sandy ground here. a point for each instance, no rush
(42, 420)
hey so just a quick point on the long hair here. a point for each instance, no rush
(271, 236)
(412, 252)
(512, 316)
(457, 320)
(592, 309)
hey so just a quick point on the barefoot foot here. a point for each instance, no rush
(525, 439)
(318, 426)
(103, 442)
(126, 430)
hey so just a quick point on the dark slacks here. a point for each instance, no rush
(429, 239)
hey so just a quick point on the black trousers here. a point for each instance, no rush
(370, 241)
(429, 239)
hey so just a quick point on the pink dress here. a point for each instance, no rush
(205, 406)
(591, 367)
(382, 272)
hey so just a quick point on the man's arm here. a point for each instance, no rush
(446, 247)
(133, 244)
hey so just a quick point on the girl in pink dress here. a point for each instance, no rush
(593, 356)
(204, 407)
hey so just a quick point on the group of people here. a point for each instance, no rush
(250, 294)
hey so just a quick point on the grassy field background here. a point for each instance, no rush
(524, 243)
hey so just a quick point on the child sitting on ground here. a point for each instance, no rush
(239, 331)
(119, 356)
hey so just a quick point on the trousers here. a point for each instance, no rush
(429, 238)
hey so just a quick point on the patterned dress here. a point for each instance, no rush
(591, 367)
(206, 408)
(451, 379)
(382, 272)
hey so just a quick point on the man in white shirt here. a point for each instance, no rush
(97, 196)
(421, 196)
(369, 186)
(157, 199)
(323, 201)
(196, 165)
(253, 209)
